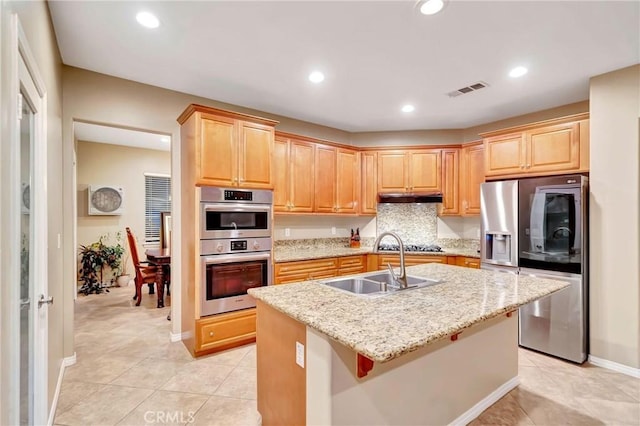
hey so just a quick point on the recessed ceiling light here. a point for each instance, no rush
(316, 77)
(431, 7)
(165, 139)
(147, 19)
(518, 72)
(408, 108)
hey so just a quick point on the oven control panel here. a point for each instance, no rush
(228, 246)
(232, 195)
(238, 245)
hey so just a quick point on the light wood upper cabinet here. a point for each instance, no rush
(229, 149)
(216, 151)
(409, 171)
(425, 173)
(280, 174)
(347, 181)
(553, 148)
(369, 188)
(293, 175)
(301, 176)
(255, 149)
(550, 147)
(505, 154)
(471, 177)
(450, 182)
(325, 196)
(337, 180)
(393, 171)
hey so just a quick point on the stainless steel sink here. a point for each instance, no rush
(385, 277)
(356, 285)
(377, 284)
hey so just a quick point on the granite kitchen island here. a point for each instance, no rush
(435, 355)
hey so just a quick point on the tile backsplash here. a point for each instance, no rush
(414, 223)
(420, 224)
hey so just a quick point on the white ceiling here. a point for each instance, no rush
(89, 132)
(376, 55)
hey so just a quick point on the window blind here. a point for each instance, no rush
(157, 199)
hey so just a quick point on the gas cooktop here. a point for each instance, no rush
(411, 247)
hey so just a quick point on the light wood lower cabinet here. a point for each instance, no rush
(290, 272)
(304, 270)
(409, 260)
(218, 332)
(469, 262)
(352, 265)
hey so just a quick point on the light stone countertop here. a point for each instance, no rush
(286, 254)
(387, 327)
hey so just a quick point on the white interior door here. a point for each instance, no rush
(31, 146)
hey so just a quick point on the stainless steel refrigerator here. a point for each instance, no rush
(538, 226)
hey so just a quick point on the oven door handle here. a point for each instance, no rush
(234, 258)
(249, 208)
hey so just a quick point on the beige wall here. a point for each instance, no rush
(35, 20)
(472, 133)
(122, 166)
(99, 98)
(615, 216)
(413, 137)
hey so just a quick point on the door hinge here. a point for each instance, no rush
(19, 106)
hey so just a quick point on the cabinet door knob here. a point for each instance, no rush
(528, 166)
(211, 334)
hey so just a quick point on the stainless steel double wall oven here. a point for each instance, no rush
(235, 247)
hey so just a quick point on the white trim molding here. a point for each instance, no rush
(614, 366)
(486, 402)
(66, 362)
(175, 337)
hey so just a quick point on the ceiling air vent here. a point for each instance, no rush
(471, 88)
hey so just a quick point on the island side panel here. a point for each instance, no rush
(281, 381)
(437, 384)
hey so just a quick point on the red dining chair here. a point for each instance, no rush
(145, 273)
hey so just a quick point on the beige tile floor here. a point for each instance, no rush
(128, 373)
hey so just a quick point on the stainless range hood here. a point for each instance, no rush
(410, 197)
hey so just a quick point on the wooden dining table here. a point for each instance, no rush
(161, 258)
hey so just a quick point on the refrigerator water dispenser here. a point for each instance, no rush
(498, 247)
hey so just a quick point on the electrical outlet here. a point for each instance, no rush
(300, 354)
(333, 230)
(287, 232)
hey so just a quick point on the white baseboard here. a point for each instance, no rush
(486, 402)
(614, 366)
(66, 362)
(175, 337)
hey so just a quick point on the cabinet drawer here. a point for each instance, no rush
(293, 278)
(323, 274)
(305, 266)
(409, 260)
(350, 261)
(225, 329)
(352, 270)
(469, 262)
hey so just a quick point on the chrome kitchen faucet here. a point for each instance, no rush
(402, 278)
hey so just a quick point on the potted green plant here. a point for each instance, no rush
(94, 258)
